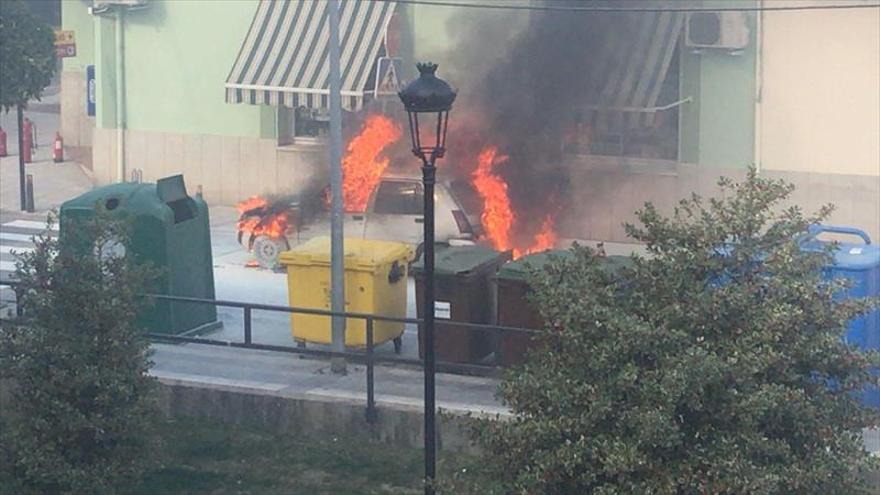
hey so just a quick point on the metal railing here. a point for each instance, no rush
(367, 357)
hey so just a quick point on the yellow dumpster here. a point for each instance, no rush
(375, 283)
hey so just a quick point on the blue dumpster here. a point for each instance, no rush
(859, 262)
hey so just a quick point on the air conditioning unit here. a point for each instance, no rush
(719, 30)
(119, 3)
(101, 7)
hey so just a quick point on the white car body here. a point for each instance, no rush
(393, 213)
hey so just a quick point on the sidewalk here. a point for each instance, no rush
(54, 183)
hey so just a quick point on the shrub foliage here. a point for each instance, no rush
(81, 404)
(714, 365)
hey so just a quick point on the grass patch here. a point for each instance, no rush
(205, 457)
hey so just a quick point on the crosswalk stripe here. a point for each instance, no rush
(29, 224)
(17, 249)
(7, 266)
(9, 236)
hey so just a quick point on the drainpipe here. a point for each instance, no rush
(759, 87)
(120, 95)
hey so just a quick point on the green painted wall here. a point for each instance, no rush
(75, 17)
(105, 72)
(177, 56)
(689, 117)
(718, 127)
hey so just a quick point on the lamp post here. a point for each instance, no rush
(427, 101)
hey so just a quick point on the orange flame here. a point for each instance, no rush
(362, 167)
(251, 203)
(544, 240)
(256, 220)
(497, 216)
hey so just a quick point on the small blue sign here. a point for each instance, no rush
(90, 90)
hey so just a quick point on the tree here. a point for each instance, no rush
(27, 55)
(27, 63)
(713, 365)
(82, 406)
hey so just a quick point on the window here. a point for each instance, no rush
(631, 133)
(301, 125)
(399, 198)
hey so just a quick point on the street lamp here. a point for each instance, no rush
(426, 99)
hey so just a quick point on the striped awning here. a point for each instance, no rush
(284, 59)
(634, 66)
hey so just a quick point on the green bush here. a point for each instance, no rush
(81, 406)
(713, 365)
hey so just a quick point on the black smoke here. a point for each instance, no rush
(528, 76)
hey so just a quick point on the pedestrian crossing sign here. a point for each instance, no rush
(387, 76)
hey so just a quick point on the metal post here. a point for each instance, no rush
(371, 394)
(29, 189)
(337, 250)
(428, 179)
(120, 94)
(247, 325)
(19, 309)
(21, 144)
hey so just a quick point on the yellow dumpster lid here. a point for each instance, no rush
(360, 254)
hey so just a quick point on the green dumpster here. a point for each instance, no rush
(170, 231)
(515, 309)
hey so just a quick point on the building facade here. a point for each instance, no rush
(798, 99)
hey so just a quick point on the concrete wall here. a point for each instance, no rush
(229, 168)
(76, 126)
(608, 193)
(820, 87)
(396, 425)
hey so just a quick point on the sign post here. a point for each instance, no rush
(387, 76)
(65, 44)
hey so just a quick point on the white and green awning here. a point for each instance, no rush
(284, 59)
(633, 66)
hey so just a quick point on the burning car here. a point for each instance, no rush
(392, 212)
(382, 204)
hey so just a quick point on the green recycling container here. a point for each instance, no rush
(515, 309)
(171, 232)
(462, 293)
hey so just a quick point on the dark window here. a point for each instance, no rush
(399, 198)
(631, 134)
(299, 123)
(309, 124)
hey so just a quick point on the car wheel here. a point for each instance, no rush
(267, 250)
